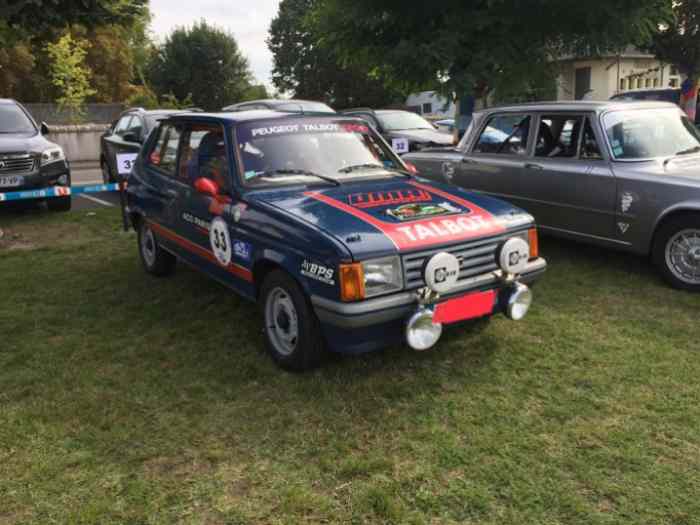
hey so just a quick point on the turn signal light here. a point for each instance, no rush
(352, 282)
(534, 243)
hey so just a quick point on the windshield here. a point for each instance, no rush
(313, 107)
(401, 120)
(650, 133)
(14, 120)
(281, 150)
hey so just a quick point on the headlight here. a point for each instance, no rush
(52, 155)
(382, 275)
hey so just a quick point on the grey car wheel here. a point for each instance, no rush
(281, 321)
(155, 260)
(683, 256)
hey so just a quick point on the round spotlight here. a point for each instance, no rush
(519, 302)
(421, 332)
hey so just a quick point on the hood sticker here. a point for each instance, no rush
(411, 212)
(426, 231)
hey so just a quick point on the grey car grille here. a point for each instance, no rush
(16, 163)
(475, 258)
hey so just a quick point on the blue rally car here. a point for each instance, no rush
(339, 241)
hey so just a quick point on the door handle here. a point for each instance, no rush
(532, 166)
(467, 160)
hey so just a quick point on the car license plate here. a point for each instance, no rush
(469, 306)
(11, 182)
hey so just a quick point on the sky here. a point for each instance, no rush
(248, 20)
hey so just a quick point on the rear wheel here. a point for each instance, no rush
(677, 252)
(59, 203)
(156, 261)
(292, 330)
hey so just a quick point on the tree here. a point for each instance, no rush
(308, 69)
(70, 74)
(203, 61)
(678, 43)
(475, 47)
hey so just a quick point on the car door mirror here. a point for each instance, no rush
(130, 136)
(44, 128)
(206, 187)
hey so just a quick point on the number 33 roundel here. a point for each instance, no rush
(220, 240)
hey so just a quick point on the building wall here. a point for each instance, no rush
(610, 76)
(430, 104)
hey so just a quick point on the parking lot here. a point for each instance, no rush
(130, 399)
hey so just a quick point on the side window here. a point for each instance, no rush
(164, 152)
(204, 155)
(558, 136)
(122, 125)
(589, 144)
(504, 134)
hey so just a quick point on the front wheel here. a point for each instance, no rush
(292, 330)
(156, 261)
(677, 252)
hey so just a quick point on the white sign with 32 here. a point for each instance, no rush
(125, 162)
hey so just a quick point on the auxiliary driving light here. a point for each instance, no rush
(519, 302)
(421, 332)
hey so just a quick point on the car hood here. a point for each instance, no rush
(20, 143)
(672, 170)
(375, 218)
(423, 136)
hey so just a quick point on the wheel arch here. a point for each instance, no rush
(679, 210)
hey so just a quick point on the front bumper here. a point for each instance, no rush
(49, 176)
(400, 306)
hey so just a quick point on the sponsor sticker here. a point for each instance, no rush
(408, 212)
(388, 198)
(188, 217)
(318, 272)
(242, 250)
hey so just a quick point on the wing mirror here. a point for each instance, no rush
(206, 187)
(131, 137)
(44, 128)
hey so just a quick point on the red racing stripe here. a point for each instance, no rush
(422, 233)
(235, 269)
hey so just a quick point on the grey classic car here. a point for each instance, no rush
(618, 174)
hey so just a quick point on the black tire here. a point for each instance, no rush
(307, 349)
(59, 203)
(107, 176)
(669, 262)
(155, 259)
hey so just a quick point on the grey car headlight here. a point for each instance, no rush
(53, 154)
(382, 275)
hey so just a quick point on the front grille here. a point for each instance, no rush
(475, 258)
(18, 163)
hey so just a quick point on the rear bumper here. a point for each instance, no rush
(383, 310)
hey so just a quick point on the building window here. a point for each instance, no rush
(427, 108)
(673, 82)
(647, 82)
(656, 82)
(623, 84)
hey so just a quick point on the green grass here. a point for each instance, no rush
(130, 399)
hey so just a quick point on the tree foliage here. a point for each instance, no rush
(308, 69)
(478, 46)
(69, 74)
(204, 62)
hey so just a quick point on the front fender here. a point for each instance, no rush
(685, 206)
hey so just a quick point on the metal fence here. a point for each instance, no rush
(94, 113)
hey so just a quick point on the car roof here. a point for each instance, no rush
(598, 106)
(256, 114)
(7, 101)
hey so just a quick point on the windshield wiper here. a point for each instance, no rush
(366, 166)
(694, 149)
(306, 173)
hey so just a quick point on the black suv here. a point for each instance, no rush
(403, 130)
(125, 137)
(27, 160)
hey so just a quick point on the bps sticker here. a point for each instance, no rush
(318, 272)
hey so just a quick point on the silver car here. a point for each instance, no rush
(624, 175)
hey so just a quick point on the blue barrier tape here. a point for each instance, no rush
(57, 191)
